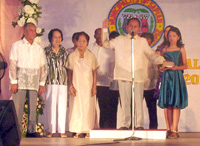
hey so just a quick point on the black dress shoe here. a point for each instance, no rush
(82, 135)
(139, 128)
(123, 128)
(32, 135)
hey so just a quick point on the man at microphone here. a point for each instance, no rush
(122, 71)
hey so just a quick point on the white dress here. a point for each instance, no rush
(82, 107)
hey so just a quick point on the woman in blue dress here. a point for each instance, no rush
(173, 92)
(159, 51)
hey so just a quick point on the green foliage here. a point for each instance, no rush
(151, 25)
(39, 111)
(14, 24)
(136, 10)
(120, 27)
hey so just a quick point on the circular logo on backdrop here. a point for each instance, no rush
(147, 11)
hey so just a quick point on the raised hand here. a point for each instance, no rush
(105, 23)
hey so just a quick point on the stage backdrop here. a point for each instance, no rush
(87, 15)
(8, 35)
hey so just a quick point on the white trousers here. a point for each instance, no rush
(139, 116)
(124, 105)
(56, 104)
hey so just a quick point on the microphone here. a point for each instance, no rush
(132, 33)
(3, 65)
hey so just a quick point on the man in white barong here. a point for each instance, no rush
(27, 73)
(122, 71)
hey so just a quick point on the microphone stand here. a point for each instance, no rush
(133, 95)
(132, 72)
(132, 137)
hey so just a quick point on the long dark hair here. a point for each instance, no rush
(164, 43)
(177, 31)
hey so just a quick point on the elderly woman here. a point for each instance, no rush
(82, 65)
(56, 97)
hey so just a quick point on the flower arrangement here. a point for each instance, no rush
(40, 107)
(24, 124)
(39, 111)
(39, 126)
(29, 12)
(40, 129)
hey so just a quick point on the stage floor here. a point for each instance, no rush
(186, 139)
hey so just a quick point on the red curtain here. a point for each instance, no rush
(8, 35)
